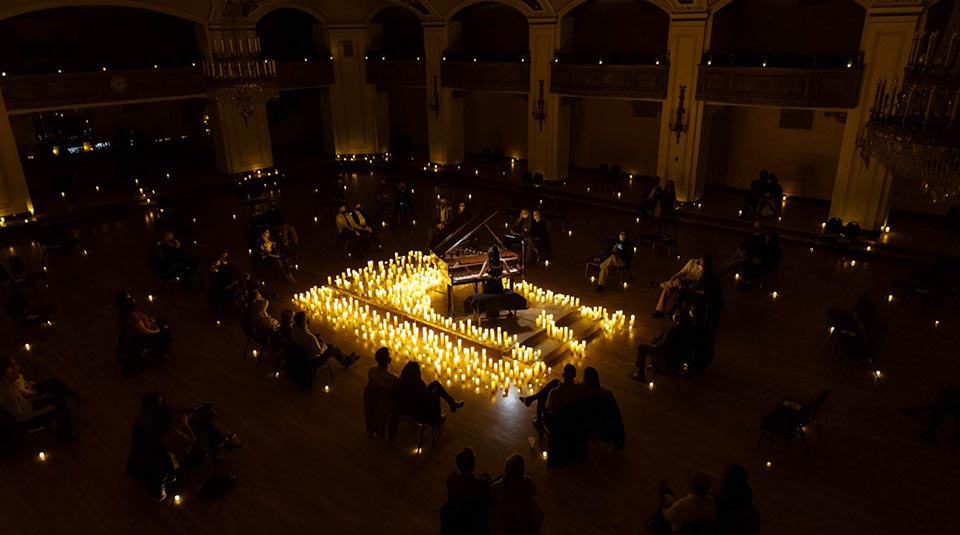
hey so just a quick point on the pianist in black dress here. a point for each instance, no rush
(493, 268)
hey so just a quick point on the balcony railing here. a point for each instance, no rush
(810, 87)
(40, 92)
(512, 76)
(411, 73)
(624, 81)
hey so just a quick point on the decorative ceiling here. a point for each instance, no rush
(358, 11)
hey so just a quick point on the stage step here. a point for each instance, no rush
(583, 329)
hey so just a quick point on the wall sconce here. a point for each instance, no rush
(678, 127)
(539, 111)
(435, 105)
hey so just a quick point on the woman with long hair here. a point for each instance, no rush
(513, 503)
(418, 400)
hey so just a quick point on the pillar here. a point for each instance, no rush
(241, 143)
(548, 138)
(861, 191)
(677, 157)
(14, 194)
(361, 118)
(444, 107)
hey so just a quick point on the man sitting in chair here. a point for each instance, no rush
(621, 253)
(315, 346)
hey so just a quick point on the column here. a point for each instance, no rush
(361, 118)
(548, 138)
(677, 158)
(861, 192)
(241, 143)
(444, 107)
(14, 194)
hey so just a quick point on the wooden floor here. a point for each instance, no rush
(308, 467)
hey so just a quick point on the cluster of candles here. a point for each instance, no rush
(445, 354)
(533, 294)
(564, 334)
(402, 285)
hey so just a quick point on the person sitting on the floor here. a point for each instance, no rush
(674, 515)
(319, 351)
(621, 254)
(736, 512)
(602, 410)
(947, 405)
(690, 277)
(513, 501)
(418, 400)
(377, 402)
(570, 392)
(270, 253)
(467, 509)
(24, 399)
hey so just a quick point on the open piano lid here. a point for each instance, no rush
(476, 227)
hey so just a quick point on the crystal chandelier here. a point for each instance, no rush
(236, 73)
(913, 128)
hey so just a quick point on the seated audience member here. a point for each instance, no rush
(145, 332)
(381, 202)
(539, 238)
(621, 254)
(443, 214)
(513, 502)
(25, 399)
(753, 196)
(947, 405)
(601, 410)
(361, 221)
(569, 393)
(771, 197)
(188, 436)
(674, 515)
(651, 198)
(667, 351)
(736, 512)
(377, 403)
(346, 231)
(319, 351)
(461, 216)
(690, 277)
(286, 233)
(667, 200)
(403, 208)
(265, 324)
(173, 253)
(225, 281)
(286, 326)
(521, 227)
(271, 254)
(750, 251)
(418, 400)
(467, 509)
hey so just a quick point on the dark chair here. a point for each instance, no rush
(864, 345)
(603, 169)
(300, 366)
(527, 177)
(13, 429)
(20, 271)
(703, 526)
(9, 281)
(538, 178)
(23, 314)
(851, 232)
(55, 238)
(789, 420)
(615, 171)
(423, 425)
(834, 226)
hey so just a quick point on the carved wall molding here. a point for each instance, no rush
(397, 73)
(624, 81)
(785, 87)
(489, 76)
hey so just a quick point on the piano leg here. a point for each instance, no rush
(450, 300)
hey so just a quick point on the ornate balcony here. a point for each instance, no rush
(27, 93)
(486, 75)
(396, 73)
(622, 81)
(792, 87)
(303, 75)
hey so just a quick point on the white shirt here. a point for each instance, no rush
(689, 509)
(691, 272)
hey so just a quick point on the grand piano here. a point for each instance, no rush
(464, 250)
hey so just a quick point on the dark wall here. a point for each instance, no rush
(88, 38)
(608, 28)
(296, 119)
(788, 27)
(290, 35)
(400, 34)
(493, 29)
